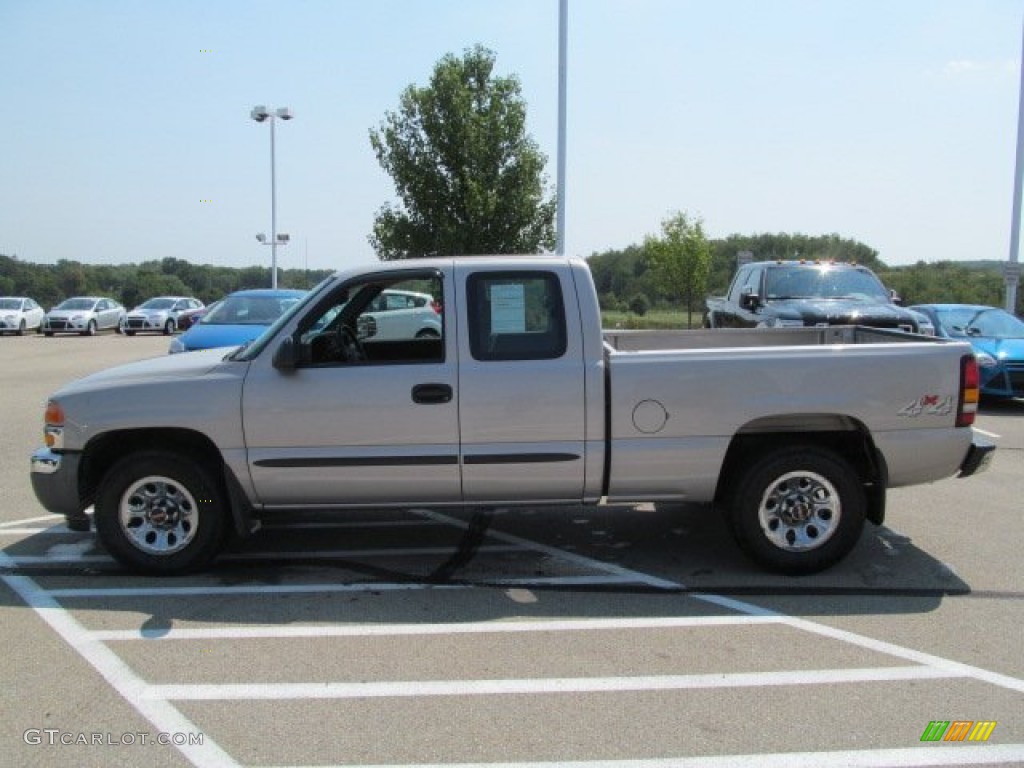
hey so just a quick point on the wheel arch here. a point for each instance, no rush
(103, 451)
(844, 435)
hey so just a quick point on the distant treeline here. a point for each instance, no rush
(624, 280)
(131, 284)
(623, 277)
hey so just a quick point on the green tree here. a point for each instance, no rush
(681, 258)
(469, 177)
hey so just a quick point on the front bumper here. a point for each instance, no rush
(978, 457)
(55, 482)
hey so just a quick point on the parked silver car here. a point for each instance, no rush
(159, 315)
(84, 315)
(19, 314)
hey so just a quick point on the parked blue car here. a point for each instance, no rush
(237, 319)
(997, 338)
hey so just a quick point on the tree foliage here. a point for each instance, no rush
(681, 258)
(469, 177)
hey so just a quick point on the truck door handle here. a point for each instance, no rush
(431, 393)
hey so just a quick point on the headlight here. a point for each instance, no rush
(985, 360)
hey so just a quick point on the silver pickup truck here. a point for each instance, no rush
(794, 434)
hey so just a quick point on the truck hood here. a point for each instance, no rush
(843, 312)
(169, 368)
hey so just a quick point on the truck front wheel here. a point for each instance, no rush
(160, 513)
(798, 510)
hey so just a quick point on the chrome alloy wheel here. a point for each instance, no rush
(158, 515)
(800, 511)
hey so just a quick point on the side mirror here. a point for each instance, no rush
(750, 301)
(286, 357)
(895, 298)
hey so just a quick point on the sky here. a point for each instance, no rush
(125, 133)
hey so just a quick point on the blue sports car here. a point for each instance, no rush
(237, 319)
(997, 338)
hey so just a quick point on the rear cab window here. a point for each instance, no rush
(516, 316)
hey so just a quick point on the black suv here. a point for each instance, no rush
(775, 294)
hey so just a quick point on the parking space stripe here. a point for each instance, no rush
(164, 717)
(41, 518)
(425, 688)
(405, 630)
(909, 757)
(329, 554)
(246, 589)
(954, 668)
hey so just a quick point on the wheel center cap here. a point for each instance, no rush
(162, 514)
(798, 511)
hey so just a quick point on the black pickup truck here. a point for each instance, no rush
(773, 294)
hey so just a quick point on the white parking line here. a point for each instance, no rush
(14, 523)
(247, 589)
(954, 668)
(327, 554)
(53, 530)
(425, 688)
(406, 630)
(910, 757)
(164, 717)
(154, 701)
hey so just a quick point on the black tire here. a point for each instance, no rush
(798, 510)
(428, 333)
(21, 328)
(129, 333)
(161, 513)
(90, 329)
(169, 327)
(48, 334)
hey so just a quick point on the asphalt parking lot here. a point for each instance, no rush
(587, 636)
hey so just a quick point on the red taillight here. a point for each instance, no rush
(970, 391)
(436, 306)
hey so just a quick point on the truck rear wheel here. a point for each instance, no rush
(161, 513)
(798, 510)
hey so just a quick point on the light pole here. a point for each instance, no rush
(260, 114)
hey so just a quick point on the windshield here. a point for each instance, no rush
(77, 304)
(158, 304)
(249, 310)
(251, 350)
(10, 303)
(990, 322)
(814, 282)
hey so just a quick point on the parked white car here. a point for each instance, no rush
(84, 315)
(19, 314)
(159, 315)
(396, 314)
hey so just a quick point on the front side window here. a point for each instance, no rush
(384, 319)
(516, 316)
